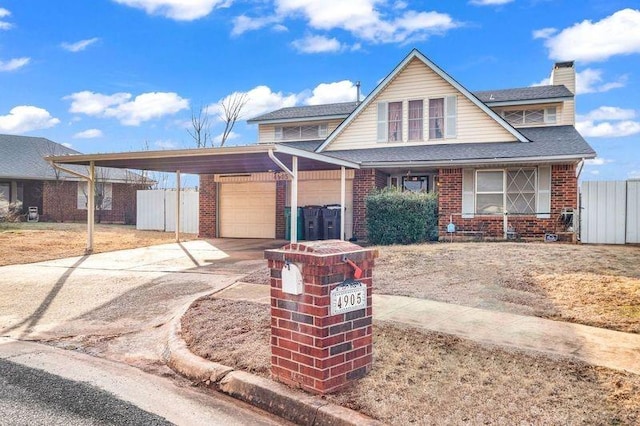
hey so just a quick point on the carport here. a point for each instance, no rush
(223, 161)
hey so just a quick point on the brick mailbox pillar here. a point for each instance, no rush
(314, 345)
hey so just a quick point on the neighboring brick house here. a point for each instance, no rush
(485, 153)
(28, 180)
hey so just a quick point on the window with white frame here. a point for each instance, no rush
(103, 196)
(415, 120)
(531, 116)
(436, 118)
(512, 189)
(292, 133)
(395, 121)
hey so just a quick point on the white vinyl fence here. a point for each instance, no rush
(610, 212)
(157, 209)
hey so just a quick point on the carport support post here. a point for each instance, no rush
(91, 206)
(294, 199)
(343, 197)
(177, 206)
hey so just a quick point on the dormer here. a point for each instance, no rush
(304, 123)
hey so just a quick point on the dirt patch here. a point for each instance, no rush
(429, 378)
(591, 285)
(35, 242)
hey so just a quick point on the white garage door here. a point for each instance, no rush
(248, 210)
(323, 192)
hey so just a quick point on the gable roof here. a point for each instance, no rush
(337, 110)
(22, 157)
(416, 54)
(520, 95)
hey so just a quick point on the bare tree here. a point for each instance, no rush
(200, 127)
(231, 109)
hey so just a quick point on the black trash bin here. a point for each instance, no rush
(331, 221)
(312, 222)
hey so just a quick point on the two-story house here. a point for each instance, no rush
(513, 151)
(501, 161)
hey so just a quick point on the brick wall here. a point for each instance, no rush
(60, 202)
(564, 190)
(364, 182)
(310, 348)
(207, 197)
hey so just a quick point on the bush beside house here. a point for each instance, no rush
(395, 217)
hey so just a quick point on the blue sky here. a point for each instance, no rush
(122, 75)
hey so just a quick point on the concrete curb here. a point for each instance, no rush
(276, 398)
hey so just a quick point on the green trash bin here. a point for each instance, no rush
(287, 224)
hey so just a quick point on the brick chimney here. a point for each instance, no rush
(564, 73)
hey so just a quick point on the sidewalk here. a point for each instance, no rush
(597, 346)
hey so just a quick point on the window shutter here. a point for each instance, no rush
(544, 192)
(468, 193)
(451, 104)
(278, 133)
(382, 122)
(550, 115)
(322, 130)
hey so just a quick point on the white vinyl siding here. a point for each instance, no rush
(417, 81)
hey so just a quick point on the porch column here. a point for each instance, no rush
(294, 199)
(91, 206)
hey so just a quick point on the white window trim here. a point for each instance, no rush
(536, 193)
(83, 196)
(409, 120)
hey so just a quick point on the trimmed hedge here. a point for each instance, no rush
(395, 217)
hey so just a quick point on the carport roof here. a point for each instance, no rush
(226, 160)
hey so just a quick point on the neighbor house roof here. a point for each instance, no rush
(338, 110)
(522, 95)
(22, 157)
(546, 144)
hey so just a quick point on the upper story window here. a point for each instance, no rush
(442, 119)
(530, 116)
(415, 120)
(292, 133)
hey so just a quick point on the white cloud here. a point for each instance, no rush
(230, 137)
(130, 112)
(67, 144)
(608, 113)
(25, 118)
(89, 134)
(608, 122)
(375, 21)
(327, 93)
(590, 81)
(544, 33)
(260, 100)
(317, 44)
(3, 24)
(598, 161)
(489, 2)
(79, 45)
(608, 130)
(634, 174)
(595, 172)
(180, 10)
(244, 23)
(14, 64)
(166, 144)
(587, 41)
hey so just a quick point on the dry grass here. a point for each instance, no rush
(36, 242)
(429, 378)
(593, 285)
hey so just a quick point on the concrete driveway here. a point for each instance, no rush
(115, 304)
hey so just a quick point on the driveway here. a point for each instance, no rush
(116, 304)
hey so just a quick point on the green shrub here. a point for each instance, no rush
(395, 217)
